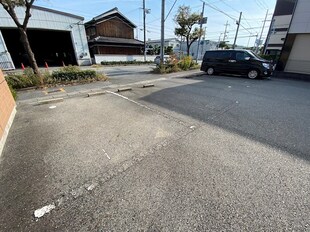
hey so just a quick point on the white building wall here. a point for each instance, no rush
(180, 48)
(168, 42)
(42, 19)
(299, 59)
(98, 58)
(282, 21)
(301, 19)
(205, 45)
(278, 37)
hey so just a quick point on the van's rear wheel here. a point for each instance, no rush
(253, 73)
(210, 71)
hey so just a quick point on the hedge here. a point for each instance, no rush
(74, 75)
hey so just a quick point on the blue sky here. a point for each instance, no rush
(253, 12)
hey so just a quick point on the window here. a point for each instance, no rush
(240, 56)
(224, 55)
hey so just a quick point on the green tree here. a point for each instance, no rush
(150, 50)
(186, 21)
(156, 50)
(223, 45)
(168, 50)
(9, 6)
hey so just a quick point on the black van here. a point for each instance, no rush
(236, 62)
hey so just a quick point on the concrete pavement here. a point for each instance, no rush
(185, 155)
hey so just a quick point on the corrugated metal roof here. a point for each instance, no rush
(57, 12)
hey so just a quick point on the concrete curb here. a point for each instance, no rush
(148, 85)
(124, 89)
(95, 94)
(48, 101)
(291, 76)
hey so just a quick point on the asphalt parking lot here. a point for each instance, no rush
(189, 154)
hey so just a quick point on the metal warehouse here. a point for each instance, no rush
(56, 38)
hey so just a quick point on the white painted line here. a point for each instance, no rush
(91, 187)
(137, 103)
(46, 209)
(118, 95)
(106, 154)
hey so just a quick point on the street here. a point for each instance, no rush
(192, 153)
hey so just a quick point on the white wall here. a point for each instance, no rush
(282, 21)
(301, 18)
(278, 37)
(299, 59)
(168, 42)
(205, 45)
(108, 58)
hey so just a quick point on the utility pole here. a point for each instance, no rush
(144, 30)
(204, 41)
(201, 22)
(145, 11)
(255, 43)
(218, 44)
(225, 32)
(238, 24)
(261, 33)
(204, 33)
(162, 32)
(247, 46)
(268, 36)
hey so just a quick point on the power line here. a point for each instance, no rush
(263, 3)
(171, 9)
(236, 11)
(217, 9)
(229, 6)
(259, 5)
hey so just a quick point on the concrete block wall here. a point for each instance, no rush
(7, 110)
(108, 58)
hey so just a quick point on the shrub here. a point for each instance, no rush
(270, 57)
(27, 79)
(65, 75)
(166, 68)
(186, 63)
(13, 91)
(71, 74)
(173, 65)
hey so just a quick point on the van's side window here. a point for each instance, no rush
(240, 56)
(225, 55)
